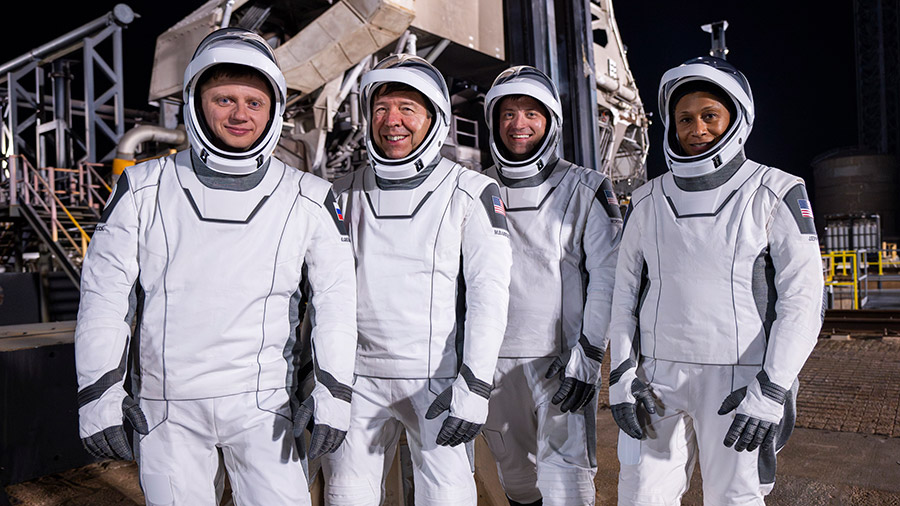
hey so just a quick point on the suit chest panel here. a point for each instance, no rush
(176, 242)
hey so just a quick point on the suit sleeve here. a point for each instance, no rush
(486, 264)
(102, 332)
(799, 284)
(331, 273)
(603, 232)
(623, 326)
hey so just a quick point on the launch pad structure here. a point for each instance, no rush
(65, 135)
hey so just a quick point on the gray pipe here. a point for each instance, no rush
(437, 50)
(351, 81)
(226, 18)
(613, 86)
(144, 133)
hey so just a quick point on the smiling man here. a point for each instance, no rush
(402, 117)
(432, 263)
(718, 303)
(215, 241)
(237, 105)
(521, 125)
(564, 226)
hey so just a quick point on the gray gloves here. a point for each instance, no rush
(467, 401)
(760, 407)
(323, 438)
(328, 410)
(625, 392)
(579, 371)
(112, 441)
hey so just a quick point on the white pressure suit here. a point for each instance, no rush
(216, 243)
(565, 226)
(718, 303)
(433, 261)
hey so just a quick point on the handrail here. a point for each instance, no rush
(71, 240)
(93, 172)
(857, 258)
(29, 182)
(882, 261)
(92, 192)
(63, 206)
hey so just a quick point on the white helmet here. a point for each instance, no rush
(241, 47)
(524, 80)
(732, 82)
(423, 77)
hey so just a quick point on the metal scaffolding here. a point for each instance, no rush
(41, 99)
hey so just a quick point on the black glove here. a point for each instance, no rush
(625, 413)
(760, 407)
(579, 371)
(323, 438)
(112, 442)
(625, 392)
(454, 430)
(471, 406)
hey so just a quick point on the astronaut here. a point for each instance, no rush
(431, 245)
(565, 227)
(215, 239)
(718, 303)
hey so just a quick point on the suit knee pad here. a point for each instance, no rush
(158, 490)
(575, 486)
(351, 493)
(446, 496)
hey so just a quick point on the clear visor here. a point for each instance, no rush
(738, 90)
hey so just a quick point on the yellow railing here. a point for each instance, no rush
(851, 263)
(887, 258)
(29, 185)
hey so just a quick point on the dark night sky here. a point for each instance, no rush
(800, 62)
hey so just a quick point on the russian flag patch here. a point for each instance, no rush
(337, 211)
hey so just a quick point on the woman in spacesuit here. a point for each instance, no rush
(717, 304)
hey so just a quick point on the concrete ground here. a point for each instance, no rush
(816, 468)
(845, 451)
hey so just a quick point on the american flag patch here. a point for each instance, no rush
(805, 209)
(498, 205)
(337, 211)
(611, 198)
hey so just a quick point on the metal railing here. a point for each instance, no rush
(887, 258)
(853, 267)
(39, 190)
